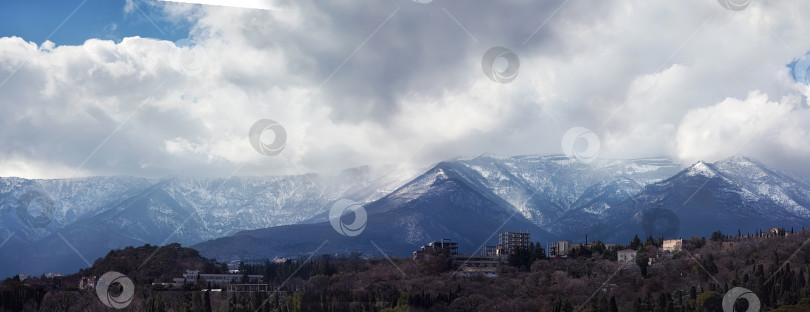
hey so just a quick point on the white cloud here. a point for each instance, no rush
(413, 91)
(733, 126)
(129, 6)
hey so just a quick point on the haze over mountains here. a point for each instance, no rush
(97, 214)
(466, 199)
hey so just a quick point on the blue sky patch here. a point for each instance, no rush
(799, 69)
(38, 20)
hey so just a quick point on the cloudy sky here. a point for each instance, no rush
(148, 88)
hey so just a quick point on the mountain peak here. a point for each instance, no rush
(745, 168)
(739, 163)
(701, 168)
(740, 159)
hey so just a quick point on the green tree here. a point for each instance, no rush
(635, 243)
(437, 262)
(398, 308)
(603, 304)
(567, 306)
(642, 260)
(155, 304)
(207, 301)
(650, 241)
(613, 306)
(710, 301)
(717, 236)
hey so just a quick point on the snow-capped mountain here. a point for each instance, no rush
(444, 202)
(554, 192)
(546, 189)
(551, 197)
(764, 186)
(466, 199)
(95, 215)
(730, 195)
(72, 199)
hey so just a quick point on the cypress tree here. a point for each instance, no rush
(613, 306)
(207, 301)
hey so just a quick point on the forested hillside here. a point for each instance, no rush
(774, 269)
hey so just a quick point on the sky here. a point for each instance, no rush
(154, 88)
(80, 20)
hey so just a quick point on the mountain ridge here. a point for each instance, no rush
(175, 209)
(551, 195)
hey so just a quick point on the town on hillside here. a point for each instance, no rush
(516, 248)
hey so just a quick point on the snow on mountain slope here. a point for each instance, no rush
(611, 200)
(551, 191)
(558, 196)
(99, 214)
(72, 199)
(736, 193)
(760, 183)
(444, 202)
(545, 188)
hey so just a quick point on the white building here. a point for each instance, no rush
(673, 245)
(627, 255)
(559, 249)
(191, 276)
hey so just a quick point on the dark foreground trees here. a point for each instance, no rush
(774, 269)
